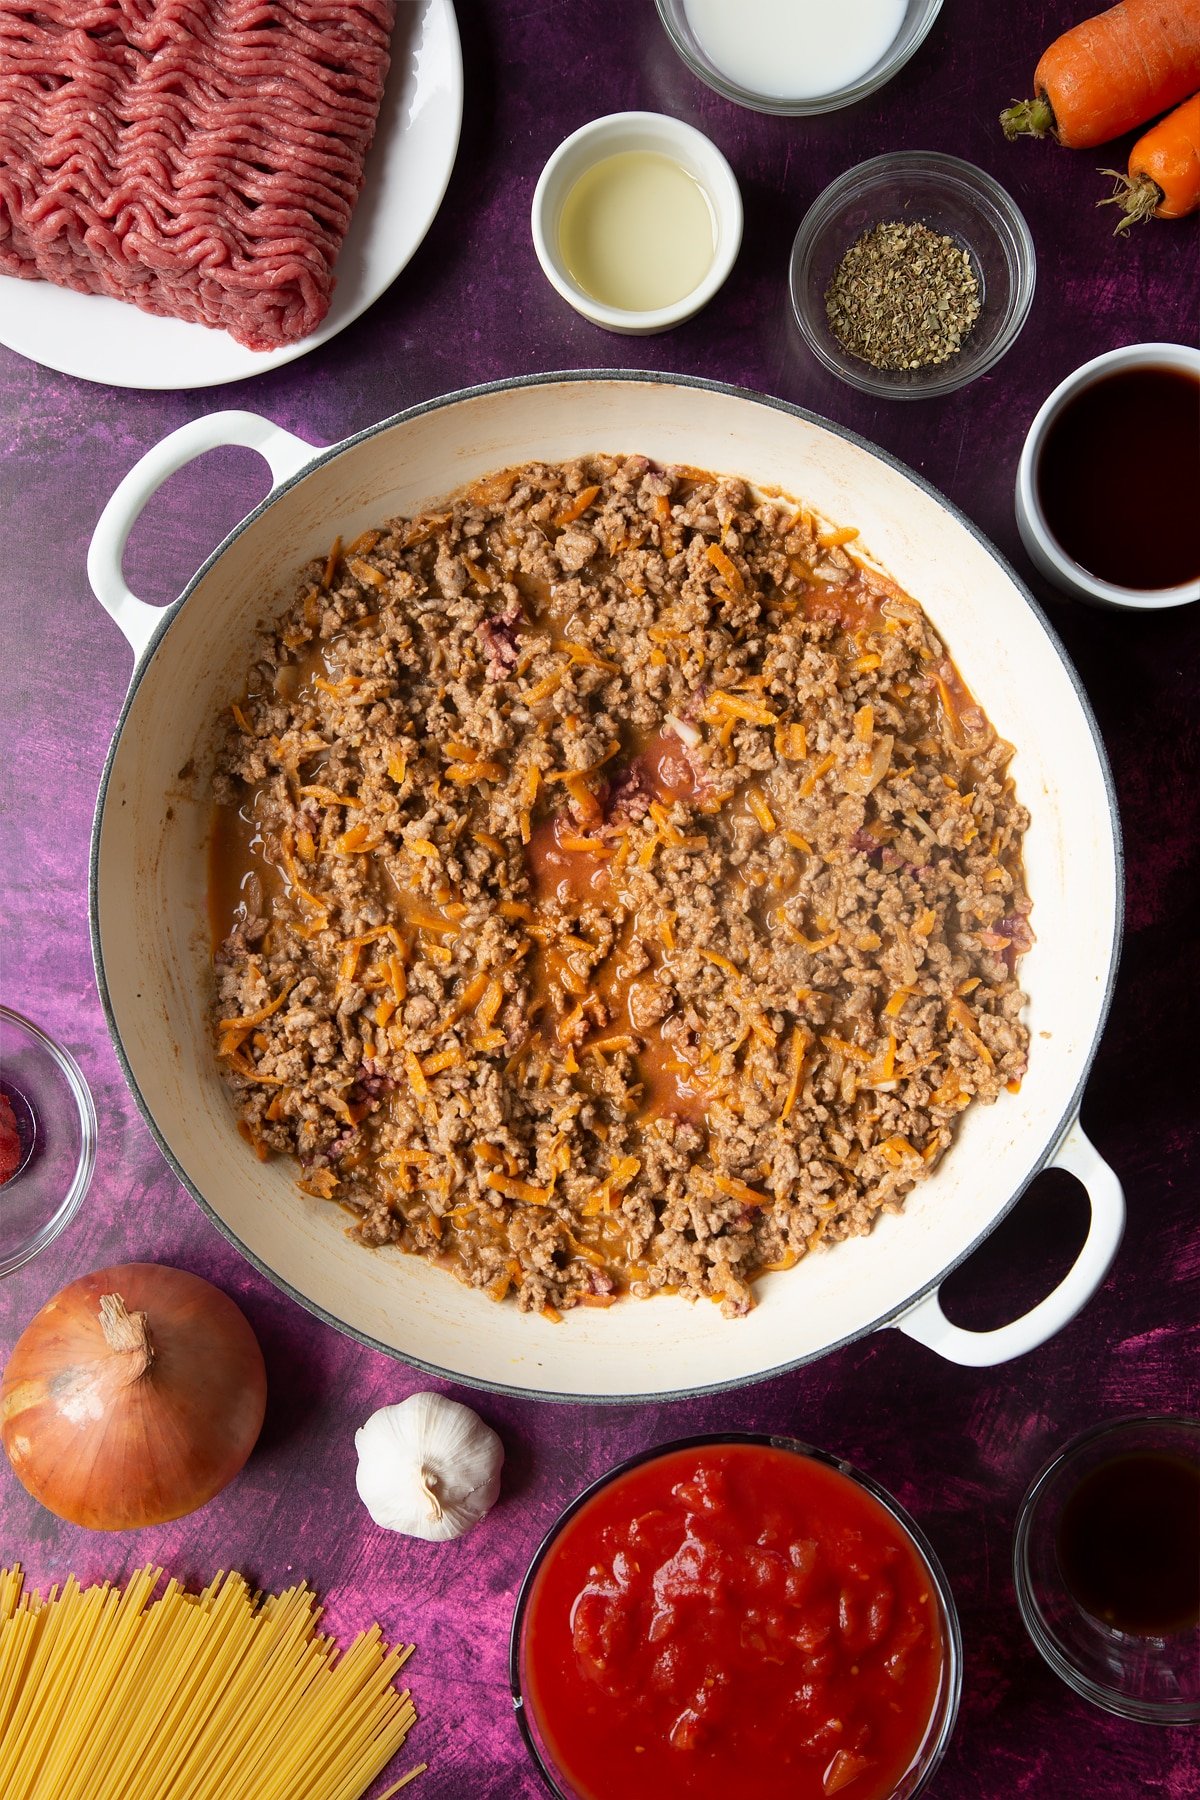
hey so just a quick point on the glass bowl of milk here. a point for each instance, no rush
(796, 56)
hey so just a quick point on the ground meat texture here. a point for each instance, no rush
(200, 159)
(619, 891)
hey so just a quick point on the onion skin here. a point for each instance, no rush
(113, 1439)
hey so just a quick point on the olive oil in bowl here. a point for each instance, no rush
(637, 232)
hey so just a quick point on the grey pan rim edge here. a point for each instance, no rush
(654, 379)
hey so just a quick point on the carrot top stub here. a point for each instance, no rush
(1112, 72)
(1163, 181)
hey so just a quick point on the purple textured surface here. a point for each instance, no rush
(956, 1446)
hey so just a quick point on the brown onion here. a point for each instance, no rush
(133, 1397)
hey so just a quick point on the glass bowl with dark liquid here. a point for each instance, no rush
(47, 1139)
(1106, 1562)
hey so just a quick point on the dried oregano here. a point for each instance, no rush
(902, 297)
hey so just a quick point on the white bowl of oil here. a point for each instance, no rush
(637, 220)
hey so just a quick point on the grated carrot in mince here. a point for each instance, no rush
(738, 1190)
(364, 543)
(760, 809)
(846, 1048)
(727, 569)
(959, 1014)
(240, 719)
(518, 1190)
(887, 1067)
(366, 572)
(479, 576)
(249, 1020)
(464, 773)
(797, 842)
(589, 846)
(864, 724)
(348, 967)
(349, 684)
(423, 847)
(737, 708)
(331, 562)
(898, 1150)
(489, 1002)
(895, 1005)
(468, 998)
(441, 1060)
(579, 653)
(721, 962)
(416, 1076)
(812, 944)
(543, 689)
(570, 775)
(811, 779)
(801, 1040)
(577, 507)
(862, 664)
(319, 1184)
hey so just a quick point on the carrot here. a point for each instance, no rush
(1110, 73)
(1164, 170)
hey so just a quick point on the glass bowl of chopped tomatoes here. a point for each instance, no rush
(874, 286)
(47, 1139)
(735, 1614)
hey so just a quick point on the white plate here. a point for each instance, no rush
(407, 171)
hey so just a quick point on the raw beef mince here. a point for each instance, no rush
(615, 888)
(200, 158)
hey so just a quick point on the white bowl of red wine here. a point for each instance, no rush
(1108, 486)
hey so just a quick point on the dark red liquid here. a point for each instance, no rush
(1118, 478)
(1129, 1543)
(18, 1132)
(732, 1620)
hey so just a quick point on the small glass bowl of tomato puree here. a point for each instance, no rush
(735, 1615)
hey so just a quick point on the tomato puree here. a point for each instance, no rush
(732, 1619)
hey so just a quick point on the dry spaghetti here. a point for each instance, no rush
(114, 1694)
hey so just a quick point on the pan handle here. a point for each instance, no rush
(284, 453)
(928, 1324)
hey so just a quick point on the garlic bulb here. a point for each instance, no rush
(428, 1467)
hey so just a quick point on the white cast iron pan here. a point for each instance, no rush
(148, 886)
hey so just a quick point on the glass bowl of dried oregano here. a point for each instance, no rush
(912, 274)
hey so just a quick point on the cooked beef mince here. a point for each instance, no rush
(617, 889)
